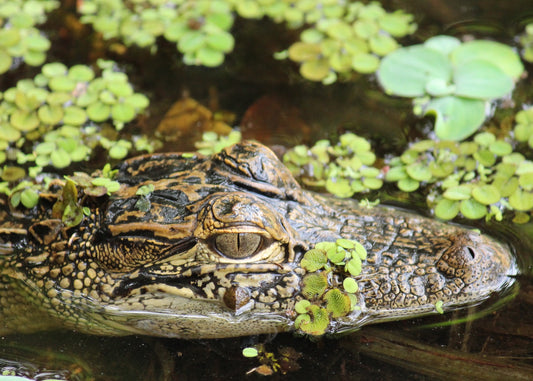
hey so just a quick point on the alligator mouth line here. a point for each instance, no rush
(186, 277)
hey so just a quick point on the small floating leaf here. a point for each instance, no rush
(123, 112)
(521, 200)
(408, 185)
(315, 70)
(301, 306)
(354, 266)
(337, 303)
(472, 209)
(438, 306)
(250, 352)
(350, 285)
(447, 209)
(29, 197)
(313, 260)
(319, 321)
(314, 285)
(486, 194)
(418, 171)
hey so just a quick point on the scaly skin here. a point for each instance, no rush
(217, 254)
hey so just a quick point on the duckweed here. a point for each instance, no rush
(341, 37)
(325, 296)
(343, 169)
(212, 142)
(19, 39)
(56, 111)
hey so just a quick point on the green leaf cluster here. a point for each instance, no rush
(452, 80)
(329, 288)
(212, 143)
(69, 207)
(345, 38)
(343, 169)
(200, 28)
(57, 112)
(526, 40)
(479, 178)
(523, 131)
(18, 37)
(25, 192)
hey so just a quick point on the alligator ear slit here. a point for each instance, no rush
(471, 251)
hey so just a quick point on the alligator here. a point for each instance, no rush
(217, 254)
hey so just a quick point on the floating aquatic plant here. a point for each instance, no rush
(452, 80)
(57, 110)
(342, 38)
(526, 40)
(343, 169)
(479, 178)
(212, 142)
(199, 28)
(347, 38)
(19, 39)
(324, 296)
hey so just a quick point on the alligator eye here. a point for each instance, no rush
(238, 245)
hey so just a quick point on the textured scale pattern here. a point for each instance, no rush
(217, 254)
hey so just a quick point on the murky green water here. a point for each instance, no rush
(497, 346)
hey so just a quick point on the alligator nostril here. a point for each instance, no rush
(472, 252)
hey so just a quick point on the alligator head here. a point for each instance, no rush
(214, 251)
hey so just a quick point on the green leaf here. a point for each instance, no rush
(340, 188)
(419, 171)
(301, 306)
(75, 116)
(486, 194)
(29, 197)
(337, 303)
(24, 121)
(318, 323)
(498, 54)
(60, 158)
(365, 63)
(406, 71)
(50, 114)
(250, 352)
(315, 70)
(313, 260)
(37, 42)
(472, 209)
(481, 80)
(122, 112)
(81, 73)
(354, 266)
(521, 200)
(443, 44)
(456, 117)
(460, 192)
(98, 112)
(5, 61)
(408, 185)
(350, 285)
(314, 285)
(447, 209)
(222, 41)
(210, 57)
(54, 69)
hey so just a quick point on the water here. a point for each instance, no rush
(495, 346)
